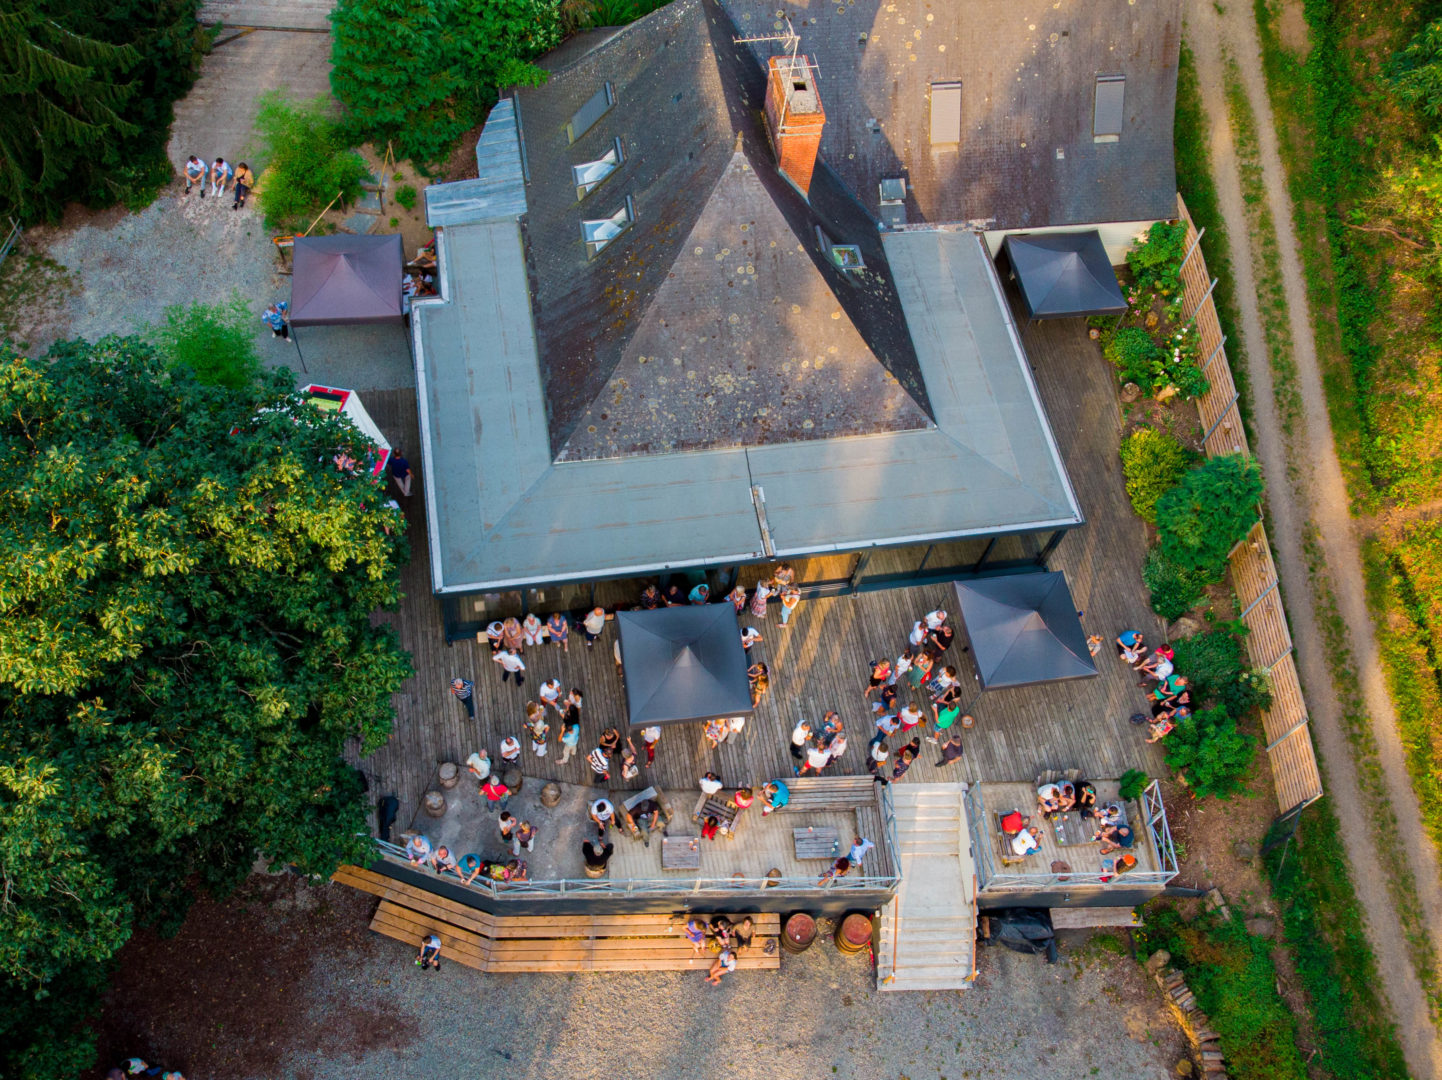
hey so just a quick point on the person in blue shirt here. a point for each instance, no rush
(275, 317)
(774, 796)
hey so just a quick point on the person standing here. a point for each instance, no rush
(800, 736)
(737, 596)
(835, 748)
(480, 764)
(540, 732)
(921, 665)
(905, 758)
(600, 763)
(880, 674)
(817, 758)
(629, 769)
(463, 690)
(650, 736)
(760, 677)
(758, 599)
(523, 837)
(710, 786)
(593, 624)
(783, 576)
(790, 597)
(220, 174)
(950, 750)
(194, 174)
(244, 181)
(511, 750)
(750, 636)
(909, 717)
(511, 664)
(275, 316)
(498, 796)
(570, 736)
(400, 470)
(876, 760)
(550, 694)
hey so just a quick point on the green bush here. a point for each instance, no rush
(1230, 971)
(1132, 784)
(1156, 263)
(1174, 591)
(1212, 753)
(1136, 357)
(1208, 512)
(1217, 673)
(1416, 72)
(307, 161)
(406, 196)
(1153, 463)
(215, 341)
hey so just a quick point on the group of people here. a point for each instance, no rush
(223, 177)
(1169, 693)
(722, 937)
(1063, 797)
(140, 1067)
(421, 852)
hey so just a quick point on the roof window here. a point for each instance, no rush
(589, 176)
(587, 115)
(597, 234)
(945, 113)
(844, 256)
(1107, 116)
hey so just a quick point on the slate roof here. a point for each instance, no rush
(1027, 69)
(651, 347)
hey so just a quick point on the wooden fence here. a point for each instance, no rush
(1254, 574)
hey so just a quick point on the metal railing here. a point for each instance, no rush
(989, 877)
(506, 890)
(10, 238)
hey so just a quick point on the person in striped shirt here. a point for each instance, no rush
(463, 689)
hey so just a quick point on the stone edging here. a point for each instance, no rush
(1207, 1056)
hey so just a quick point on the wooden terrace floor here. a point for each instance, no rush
(822, 661)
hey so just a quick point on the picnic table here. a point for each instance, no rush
(819, 842)
(1072, 829)
(681, 853)
(724, 810)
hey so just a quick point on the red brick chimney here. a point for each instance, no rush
(794, 117)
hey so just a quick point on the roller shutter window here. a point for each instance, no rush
(945, 113)
(1110, 101)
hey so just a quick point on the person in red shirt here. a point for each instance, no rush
(498, 796)
(709, 830)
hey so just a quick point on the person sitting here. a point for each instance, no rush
(602, 813)
(701, 594)
(673, 597)
(647, 816)
(1110, 814)
(1027, 841)
(696, 934)
(1048, 800)
(709, 830)
(840, 868)
(774, 796)
(1162, 726)
(1157, 666)
(721, 931)
(725, 963)
(1130, 647)
(517, 870)
(741, 935)
(1114, 838)
(596, 856)
(1173, 686)
(1068, 795)
(1086, 798)
(650, 598)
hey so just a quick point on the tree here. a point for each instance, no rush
(1207, 513)
(1210, 751)
(185, 645)
(1416, 72)
(215, 341)
(420, 73)
(87, 88)
(307, 161)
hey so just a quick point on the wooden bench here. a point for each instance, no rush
(813, 793)
(518, 943)
(1081, 918)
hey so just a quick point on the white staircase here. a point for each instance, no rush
(928, 931)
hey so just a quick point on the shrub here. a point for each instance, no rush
(215, 341)
(406, 196)
(1132, 784)
(1217, 673)
(1136, 357)
(1156, 263)
(1210, 751)
(1153, 463)
(1416, 72)
(1208, 512)
(307, 161)
(1174, 591)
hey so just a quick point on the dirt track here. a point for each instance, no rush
(1319, 493)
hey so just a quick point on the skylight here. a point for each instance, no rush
(588, 177)
(597, 234)
(587, 115)
(1109, 111)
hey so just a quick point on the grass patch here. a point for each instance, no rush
(1323, 924)
(29, 282)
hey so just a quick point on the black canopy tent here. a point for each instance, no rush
(1063, 274)
(1023, 630)
(683, 664)
(345, 281)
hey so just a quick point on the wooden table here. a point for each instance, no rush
(821, 842)
(1071, 829)
(681, 853)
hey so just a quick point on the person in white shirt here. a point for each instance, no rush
(593, 624)
(480, 764)
(194, 174)
(511, 664)
(859, 847)
(750, 636)
(710, 785)
(1025, 842)
(918, 634)
(601, 813)
(550, 694)
(736, 724)
(650, 736)
(816, 759)
(533, 630)
(835, 749)
(220, 174)
(510, 749)
(800, 736)
(934, 619)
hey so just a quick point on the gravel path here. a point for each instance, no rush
(817, 1017)
(1319, 493)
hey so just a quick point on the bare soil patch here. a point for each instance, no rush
(231, 995)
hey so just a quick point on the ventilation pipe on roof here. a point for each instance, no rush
(794, 117)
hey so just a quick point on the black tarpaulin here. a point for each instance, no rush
(1023, 629)
(683, 664)
(1063, 274)
(346, 280)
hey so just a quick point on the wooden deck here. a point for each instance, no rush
(821, 661)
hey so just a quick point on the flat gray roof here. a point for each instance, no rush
(503, 514)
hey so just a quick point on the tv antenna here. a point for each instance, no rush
(790, 38)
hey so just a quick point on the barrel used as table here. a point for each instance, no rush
(853, 933)
(798, 933)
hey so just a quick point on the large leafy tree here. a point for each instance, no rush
(1213, 507)
(419, 73)
(86, 93)
(186, 584)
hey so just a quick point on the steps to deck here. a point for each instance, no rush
(928, 930)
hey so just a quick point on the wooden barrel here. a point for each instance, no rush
(853, 933)
(798, 933)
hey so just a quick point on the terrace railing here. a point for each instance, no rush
(1295, 775)
(509, 890)
(990, 877)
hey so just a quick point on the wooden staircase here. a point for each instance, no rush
(928, 930)
(519, 943)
